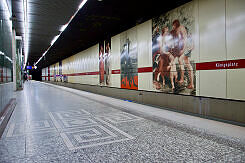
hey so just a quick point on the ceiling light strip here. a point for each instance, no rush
(61, 30)
(7, 14)
(26, 33)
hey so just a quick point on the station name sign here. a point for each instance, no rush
(229, 64)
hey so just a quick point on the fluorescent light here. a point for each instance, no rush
(54, 39)
(45, 53)
(8, 59)
(18, 37)
(82, 4)
(7, 14)
(63, 27)
(26, 33)
(7, 6)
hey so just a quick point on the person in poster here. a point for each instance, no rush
(166, 59)
(107, 61)
(172, 62)
(129, 61)
(184, 47)
(101, 63)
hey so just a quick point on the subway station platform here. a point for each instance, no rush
(57, 124)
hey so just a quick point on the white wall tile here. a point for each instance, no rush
(116, 80)
(145, 81)
(212, 30)
(235, 84)
(235, 26)
(115, 52)
(144, 39)
(213, 83)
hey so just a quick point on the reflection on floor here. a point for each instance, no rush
(52, 125)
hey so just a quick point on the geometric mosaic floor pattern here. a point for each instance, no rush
(51, 125)
(79, 129)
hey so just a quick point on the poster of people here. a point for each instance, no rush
(101, 63)
(107, 61)
(55, 74)
(129, 59)
(60, 71)
(172, 51)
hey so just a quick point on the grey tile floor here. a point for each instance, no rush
(53, 125)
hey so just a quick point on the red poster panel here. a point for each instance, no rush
(1, 74)
(48, 74)
(130, 83)
(101, 64)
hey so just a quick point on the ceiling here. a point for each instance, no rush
(96, 21)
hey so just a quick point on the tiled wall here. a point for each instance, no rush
(220, 36)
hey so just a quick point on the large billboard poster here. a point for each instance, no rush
(1, 75)
(101, 63)
(55, 73)
(129, 59)
(107, 61)
(60, 71)
(172, 50)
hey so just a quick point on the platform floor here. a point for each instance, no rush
(57, 124)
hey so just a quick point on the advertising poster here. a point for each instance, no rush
(107, 61)
(1, 74)
(55, 74)
(48, 73)
(101, 63)
(60, 71)
(172, 51)
(129, 59)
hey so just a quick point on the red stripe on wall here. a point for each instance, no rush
(80, 74)
(144, 69)
(116, 71)
(230, 64)
(140, 70)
